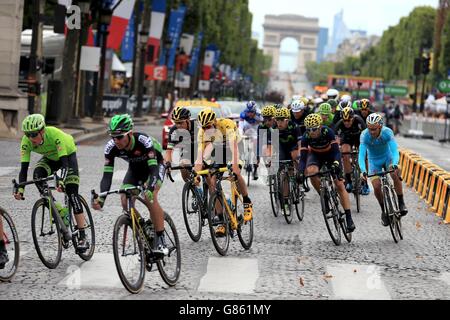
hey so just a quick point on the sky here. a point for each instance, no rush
(374, 16)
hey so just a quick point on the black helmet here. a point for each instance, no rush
(181, 113)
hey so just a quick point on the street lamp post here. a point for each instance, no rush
(105, 21)
(143, 39)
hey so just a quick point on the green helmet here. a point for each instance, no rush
(120, 123)
(333, 103)
(33, 122)
(355, 105)
(325, 108)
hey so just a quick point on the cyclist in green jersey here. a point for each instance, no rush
(59, 152)
(326, 114)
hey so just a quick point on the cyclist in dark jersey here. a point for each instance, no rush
(299, 111)
(181, 136)
(59, 153)
(364, 109)
(319, 147)
(349, 129)
(144, 155)
(264, 141)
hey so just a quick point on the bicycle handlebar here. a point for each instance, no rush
(95, 195)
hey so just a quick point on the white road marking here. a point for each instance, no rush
(100, 271)
(354, 281)
(232, 275)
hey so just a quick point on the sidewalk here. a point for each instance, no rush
(90, 129)
(436, 152)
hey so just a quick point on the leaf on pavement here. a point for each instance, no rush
(302, 259)
(419, 257)
(418, 225)
(327, 276)
(301, 282)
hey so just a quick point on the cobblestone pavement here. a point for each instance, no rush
(297, 261)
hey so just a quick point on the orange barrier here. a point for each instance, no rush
(430, 181)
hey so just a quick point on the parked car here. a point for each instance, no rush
(195, 106)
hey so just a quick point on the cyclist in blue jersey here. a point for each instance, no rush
(378, 142)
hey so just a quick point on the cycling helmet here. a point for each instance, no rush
(297, 106)
(283, 113)
(304, 100)
(278, 106)
(333, 103)
(268, 111)
(181, 113)
(332, 93)
(347, 113)
(346, 97)
(325, 108)
(33, 123)
(206, 117)
(313, 120)
(251, 106)
(355, 105)
(365, 104)
(344, 104)
(120, 123)
(374, 118)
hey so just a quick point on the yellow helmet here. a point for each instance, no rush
(206, 117)
(283, 113)
(268, 111)
(313, 120)
(347, 113)
(304, 100)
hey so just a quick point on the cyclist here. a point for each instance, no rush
(3, 252)
(349, 129)
(339, 108)
(378, 142)
(264, 144)
(216, 135)
(332, 94)
(326, 114)
(299, 111)
(181, 135)
(333, 103)
(144, 155)
(288, 137)
(59, 152)
(249, 121)
(319, 147)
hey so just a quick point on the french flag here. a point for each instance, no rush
(119, 23)
(156, 27)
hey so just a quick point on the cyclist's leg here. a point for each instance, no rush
(43, 169)
(344, 199)
(374, 167)
(346, 147)
(398, 190)
(72, 183)
(312, 167)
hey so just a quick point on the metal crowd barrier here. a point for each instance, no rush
(430, 181)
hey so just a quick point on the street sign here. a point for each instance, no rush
(444, 86)
(360, 94)
(396, 91)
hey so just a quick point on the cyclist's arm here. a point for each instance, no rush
(362, 154)
(108, 169)
(395, 155)
(153, 177)
(25, 155)
(304, 144)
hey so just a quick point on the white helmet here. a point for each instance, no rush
(346, 98)
(374, 118)
(297, 106)
(332, 93)
(296, 97)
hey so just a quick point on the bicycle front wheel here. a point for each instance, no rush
(11, 239)
(129, 254)
(393, 219)
(357, 189)
(192, 211)
(245, 228)
(221, 241)
(46, 234)
(331, 217)
(300, 205)
(89, 232)
(169, 267)
(286, 202)
(273, 190)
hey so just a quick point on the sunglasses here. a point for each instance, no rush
(313, 129)
(32, 134)
(207, 127)
(119, 136)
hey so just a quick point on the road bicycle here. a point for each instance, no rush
(296, 195)
(133, 238)
(334, 217)
(50, 232)
(230, 209)
(11, 239)
(356, 177)
(194, 204)
(390, 202)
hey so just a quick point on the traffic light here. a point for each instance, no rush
(426, 65)
(417, 66)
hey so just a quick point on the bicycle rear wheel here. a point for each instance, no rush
(192, 211)
(221, 242)
(286, 202)
(331, 217)
(129, 254)
(357, 189)
(11, 240)
(169, 266)
(301, 202)
(273, 190)
(245, 228)
(89, 231)
(391, 212)
(46, 234)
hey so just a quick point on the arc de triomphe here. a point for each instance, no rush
(304, 30)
